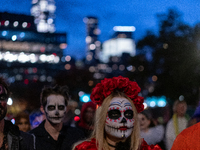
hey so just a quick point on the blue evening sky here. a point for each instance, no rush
(141, 14)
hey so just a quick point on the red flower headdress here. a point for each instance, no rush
(123, 84)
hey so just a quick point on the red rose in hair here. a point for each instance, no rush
(138, 101)
(96, 95)
(132, 89)
(121, 81)
(107, 86)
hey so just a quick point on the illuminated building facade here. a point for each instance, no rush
(25, 54)
(121, 42)
(44, 15)
(93, 45)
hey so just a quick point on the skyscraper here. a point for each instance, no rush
(121, 42)
(93, 45)
(43, 12)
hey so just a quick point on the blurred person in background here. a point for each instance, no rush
(22, 121)
(70, 113)
(195, 117)
(149, 130)
(51, 134)
(36, 117)
(86, 123)
(11, 138)
(177, 123)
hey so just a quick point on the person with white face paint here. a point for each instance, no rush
(116, 121)
(51, 134)
(11, 138)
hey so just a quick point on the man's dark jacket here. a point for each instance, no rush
(18, 140)
(67, 137)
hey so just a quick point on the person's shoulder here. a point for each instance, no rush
(192, 130)
(38, 130)
(145, 146)
(67, 128)
(86, 145)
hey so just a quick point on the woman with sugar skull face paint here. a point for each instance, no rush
(116, 122)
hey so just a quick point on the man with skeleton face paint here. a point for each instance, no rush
(10, 136)
(116, 124)
(51, 134)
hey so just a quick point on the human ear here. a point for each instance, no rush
(42, 109)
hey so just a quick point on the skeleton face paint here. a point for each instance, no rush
(55, 108)
(3, 102)
(119, 120)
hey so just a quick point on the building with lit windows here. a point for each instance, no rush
(93, 45)
(27, 55)
(44, 15)
(121, 42)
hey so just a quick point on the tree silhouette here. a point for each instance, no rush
(175, 57)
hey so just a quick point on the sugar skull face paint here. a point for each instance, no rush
(119, 120)
(3, 102)
(55, 108)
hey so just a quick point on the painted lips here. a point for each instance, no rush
(123, 128)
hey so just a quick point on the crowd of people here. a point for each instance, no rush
(115, 119)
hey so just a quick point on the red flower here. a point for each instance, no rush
(107, 86)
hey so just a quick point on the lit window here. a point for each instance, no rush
(16, 23)
(24, 24)
(6, 23)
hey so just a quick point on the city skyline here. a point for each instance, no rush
(142, 15)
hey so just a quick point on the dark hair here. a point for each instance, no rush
(21, 115)
(3, 82)
(57, 90)
(148, 115)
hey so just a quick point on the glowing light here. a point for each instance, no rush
(4, 33)
(16, 23)
(154, 78)
(76, 118)
(13, 121)
(24, 24)
(88, 39)
(145, 105)
(85, 99)
(63, 46)
(10, 101)
(68, 58)
(124, 28)
(92, 46)
(22, 34)
(6, 23)
(81, 93)
(77, 111)
(14, 38)
(152, 103)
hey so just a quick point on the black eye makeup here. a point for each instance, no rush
(61, 107)
(51, 107)
(128, 114)
(114, 114)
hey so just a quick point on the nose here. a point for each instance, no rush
(123, 120)
(57, 113)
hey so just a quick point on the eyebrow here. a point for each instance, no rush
(127, 104)
(115, 103)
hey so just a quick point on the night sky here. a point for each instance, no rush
(141, 14)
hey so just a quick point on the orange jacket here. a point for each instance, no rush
(188, 139)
